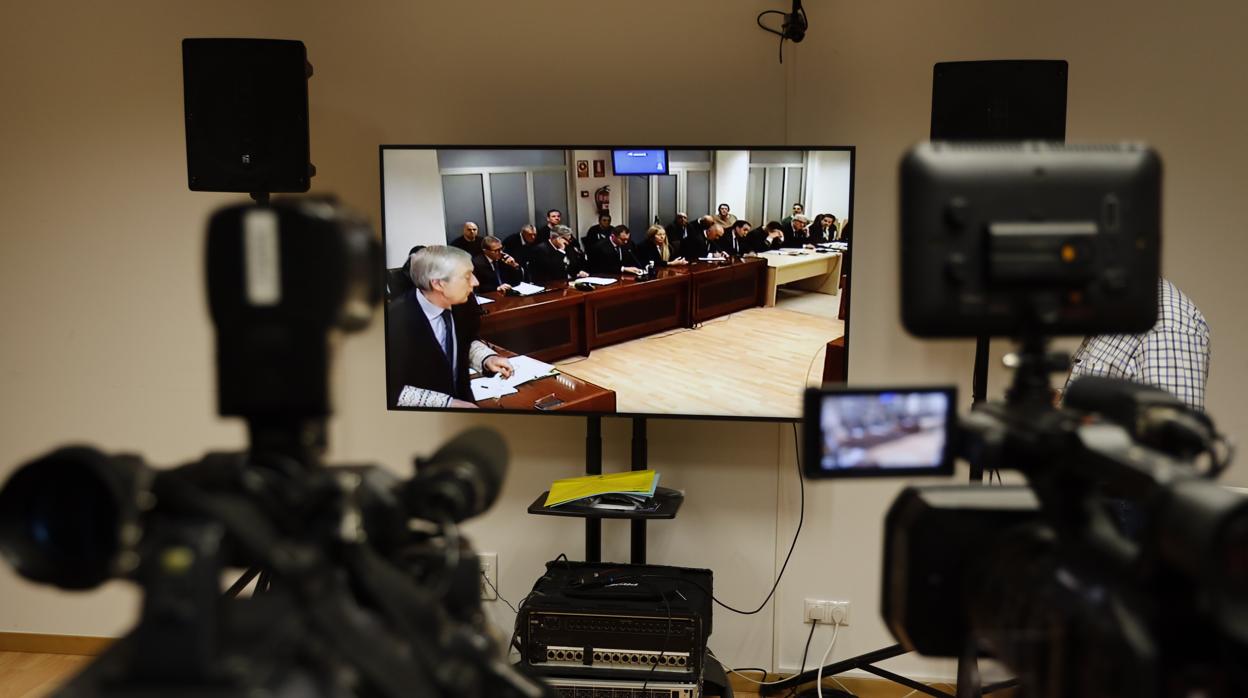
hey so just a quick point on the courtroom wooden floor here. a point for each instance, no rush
(753, 363)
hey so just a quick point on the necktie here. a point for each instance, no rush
(497, 276)
(448, 339)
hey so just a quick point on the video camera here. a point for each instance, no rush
(364, 586)
(1033, 240)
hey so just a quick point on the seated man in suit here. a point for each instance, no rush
(707, 244)
(800, 235)
(556, 259)
(787, 221)
(735, 241)
(521, 245)
(615, 254)
(768, 237)
(553, 219)
(468, 241)
(431, 334)
(826, 228)
(495, 270)
(678, 229)
(602, 231)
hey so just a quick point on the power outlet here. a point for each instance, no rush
(488, 562)
(839, 612)
(822, 611)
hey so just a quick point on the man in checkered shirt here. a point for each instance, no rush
(1173, 356)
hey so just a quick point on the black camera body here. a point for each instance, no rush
(1031, 240)
(364, 586)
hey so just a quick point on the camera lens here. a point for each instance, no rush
(61, 517)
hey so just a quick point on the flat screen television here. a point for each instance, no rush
(639, 161)
(732, 318)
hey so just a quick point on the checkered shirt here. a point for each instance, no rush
(1173, 356)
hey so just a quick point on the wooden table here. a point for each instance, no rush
(563, 322)
(576, 395)
(834, 362)
(815, 271)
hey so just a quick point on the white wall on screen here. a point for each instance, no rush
(413, 195)
(732, 174)
(828, 183)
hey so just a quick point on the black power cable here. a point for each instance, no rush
(801, 517)
(780, 34)
(806, 649)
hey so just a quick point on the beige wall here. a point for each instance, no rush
(107, 341)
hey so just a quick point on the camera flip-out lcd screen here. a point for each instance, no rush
(863, 433)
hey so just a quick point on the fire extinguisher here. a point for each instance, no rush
(602, 198)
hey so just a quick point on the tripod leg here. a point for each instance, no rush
(242, 583)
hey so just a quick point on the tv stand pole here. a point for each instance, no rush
(593, 466)
(640, 459)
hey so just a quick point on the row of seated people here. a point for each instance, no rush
(797, 230)
(825, 227)
(525, 256)
(560, 258)
(470, 238)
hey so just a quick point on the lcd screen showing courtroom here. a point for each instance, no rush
(542, 280)
(885, 431)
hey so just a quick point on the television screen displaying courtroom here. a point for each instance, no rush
(549, 280)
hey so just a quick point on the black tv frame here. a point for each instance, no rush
(847, 268)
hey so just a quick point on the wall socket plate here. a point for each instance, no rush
(823, 611)
(488, 563)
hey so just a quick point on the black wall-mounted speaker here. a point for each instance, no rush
(246, 104)
(999, 101)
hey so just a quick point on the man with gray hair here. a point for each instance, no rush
(495, 269)
(556, 259)
(704, 245)
(800, 235)
(522, 244)
(431, 334)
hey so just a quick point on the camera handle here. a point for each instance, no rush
(179, 634)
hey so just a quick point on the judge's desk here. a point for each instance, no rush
(563, 322)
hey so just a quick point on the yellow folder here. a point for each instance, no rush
(640, 482)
